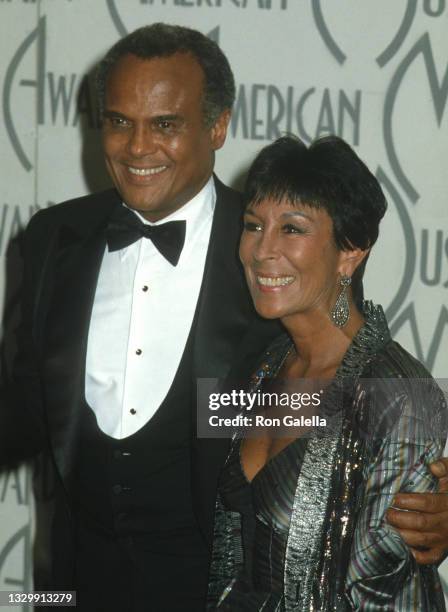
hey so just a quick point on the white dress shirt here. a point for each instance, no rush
(142, 314)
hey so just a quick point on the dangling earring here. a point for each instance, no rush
(340, 312)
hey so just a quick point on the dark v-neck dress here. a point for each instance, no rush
(265, 505)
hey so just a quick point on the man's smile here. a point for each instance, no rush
(146, 171)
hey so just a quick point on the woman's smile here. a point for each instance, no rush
(269, 282)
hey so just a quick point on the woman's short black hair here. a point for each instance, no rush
(164, 40)
(328, 174)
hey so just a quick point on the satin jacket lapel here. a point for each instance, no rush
(224, 306)
(222, 315)
(75, 274)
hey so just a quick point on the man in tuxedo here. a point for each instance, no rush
(130, 296)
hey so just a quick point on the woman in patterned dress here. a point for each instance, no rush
(300, 519)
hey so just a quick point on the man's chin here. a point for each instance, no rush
(140, 205)
(147, 210)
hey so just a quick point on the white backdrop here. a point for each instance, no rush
(374, 72)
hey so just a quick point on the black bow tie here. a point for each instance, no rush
(125, 228)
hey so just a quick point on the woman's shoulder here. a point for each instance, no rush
(392, 386)
(399, 389)
(377, 354)
(394, 361)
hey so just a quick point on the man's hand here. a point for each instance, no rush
(425, 527)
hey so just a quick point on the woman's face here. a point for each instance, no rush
(291, 262)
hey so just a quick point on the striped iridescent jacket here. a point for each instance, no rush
(389, 421)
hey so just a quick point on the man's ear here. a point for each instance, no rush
(218, 131)
(350, 260)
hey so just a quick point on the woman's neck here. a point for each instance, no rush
(319, 344)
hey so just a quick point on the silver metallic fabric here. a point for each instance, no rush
(340, 554)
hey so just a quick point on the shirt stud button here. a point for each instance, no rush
(138, 352)
(145, 288)
(133, 411)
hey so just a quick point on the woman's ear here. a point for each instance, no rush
(350, 260)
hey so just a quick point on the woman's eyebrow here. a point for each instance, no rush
(297, 213)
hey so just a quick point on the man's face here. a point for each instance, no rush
(158, 150)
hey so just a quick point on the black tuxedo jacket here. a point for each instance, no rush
(63, 251)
